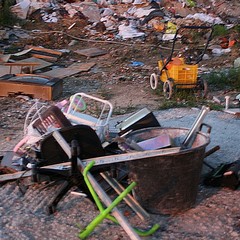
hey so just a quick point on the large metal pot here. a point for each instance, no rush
(168, 184)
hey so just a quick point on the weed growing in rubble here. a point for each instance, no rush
(219, 30)
(225, 80)
(181, 98)
(6, 16)
(237, 28)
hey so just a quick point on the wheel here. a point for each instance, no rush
(153, 81)
(202, 88)
(168, 88)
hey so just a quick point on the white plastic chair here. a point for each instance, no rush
(91, 111)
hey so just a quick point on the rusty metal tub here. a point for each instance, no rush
(168, 184)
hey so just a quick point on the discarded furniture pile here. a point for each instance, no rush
(71, 141)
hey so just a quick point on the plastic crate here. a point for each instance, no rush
(184, 75)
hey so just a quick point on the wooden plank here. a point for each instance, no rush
(31, 65)
(48, 58)
(101, 161)
(71, 70)
(91, 52)
(22, 64)
(44, 50)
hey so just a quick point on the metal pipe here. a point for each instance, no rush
(97, 187)
(191, 135)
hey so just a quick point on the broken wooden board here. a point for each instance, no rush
(133, 156)
(17, 69)
(44, 51)
(48, 58)
(22, 65)
(69, 71)
(91, 52)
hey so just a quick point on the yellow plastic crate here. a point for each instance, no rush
(183, 74)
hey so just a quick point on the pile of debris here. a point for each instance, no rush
(71, 141)
(123, 20)
(67, 136)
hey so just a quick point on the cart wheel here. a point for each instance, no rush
(202, 88)
(168, 88)
(153, 81)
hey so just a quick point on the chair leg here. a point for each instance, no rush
(51, 208)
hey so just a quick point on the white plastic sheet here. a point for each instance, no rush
(237, 64)
(21, 8)
(205, 18)
(219, 51)
(109, 21)
(139, 12)
(129, 31)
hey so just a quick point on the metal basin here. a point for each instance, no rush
(168, 184)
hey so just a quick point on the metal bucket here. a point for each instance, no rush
(168, 184)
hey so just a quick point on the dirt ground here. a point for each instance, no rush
(215, 215)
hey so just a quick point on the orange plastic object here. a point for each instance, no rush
(184, 75)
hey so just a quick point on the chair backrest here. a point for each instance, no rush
(40, 121)
(89, 143)
(51, 119)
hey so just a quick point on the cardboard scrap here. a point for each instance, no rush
(71, 70)
(91, 52)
